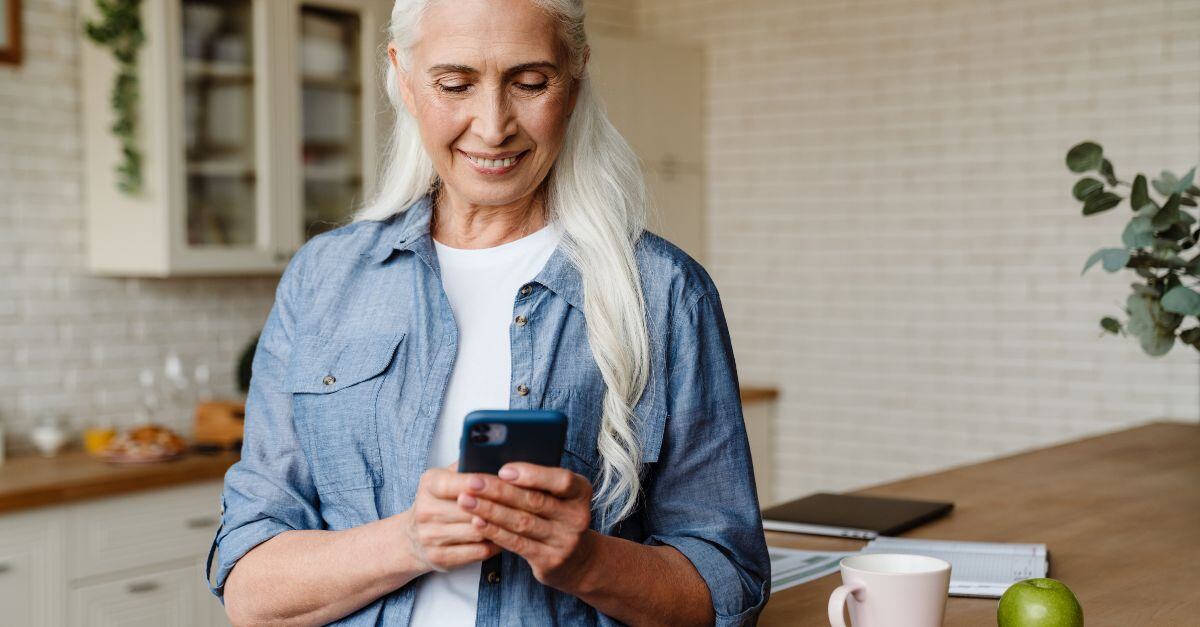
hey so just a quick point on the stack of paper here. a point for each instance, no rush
(792, 567)
(977, 569)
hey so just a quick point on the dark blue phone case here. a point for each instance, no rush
(533, 435)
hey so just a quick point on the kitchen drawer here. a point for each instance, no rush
(137, 531)
(32, 569)
(158, 599)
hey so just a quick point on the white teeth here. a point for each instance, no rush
(493, 163)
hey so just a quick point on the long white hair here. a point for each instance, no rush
(597, 193)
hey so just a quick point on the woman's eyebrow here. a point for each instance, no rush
(466, 69)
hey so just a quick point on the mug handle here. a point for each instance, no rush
(837, 602)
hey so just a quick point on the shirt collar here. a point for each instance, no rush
(409, 230)
(403, 230)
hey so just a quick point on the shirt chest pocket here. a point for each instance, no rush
(584, 408)
(335, 384)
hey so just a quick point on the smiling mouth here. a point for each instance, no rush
(495, 165)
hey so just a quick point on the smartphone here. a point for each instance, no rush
(494, 437)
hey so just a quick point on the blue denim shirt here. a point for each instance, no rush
(349, 376)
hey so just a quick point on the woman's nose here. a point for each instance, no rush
(494, 120)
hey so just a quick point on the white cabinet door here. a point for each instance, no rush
(32, 570)
(161, 599)
(144, 530)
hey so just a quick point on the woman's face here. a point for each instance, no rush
(488, 81)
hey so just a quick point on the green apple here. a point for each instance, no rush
(1039, 603)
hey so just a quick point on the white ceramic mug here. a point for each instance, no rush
(891, 590)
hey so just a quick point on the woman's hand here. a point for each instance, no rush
(440, 532)
(540, 513)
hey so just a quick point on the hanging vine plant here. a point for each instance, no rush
(120, 30)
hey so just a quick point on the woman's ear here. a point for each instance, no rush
(402, 84)
(587, 53)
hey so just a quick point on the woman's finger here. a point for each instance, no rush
(534, 501)
(514, 520)
(444, 558)
(432, 510)
(443, 483)
(557, 481)
(521, 545)
(447, 534)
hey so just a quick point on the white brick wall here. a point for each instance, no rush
(71, 343)
(891, 227)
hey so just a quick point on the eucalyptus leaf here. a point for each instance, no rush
(1193, 266)
(1190, 336)
(1139, 233)
(1085, 156)
(1166, 183)
(1102, 201)
(1187, 200)
(1153, 326)
(1169, 214)
(1186, 181)
(1182, 300)
(1147, 210)
(1139, 197)
(1110, 324)
(1169, 245)
(1106, 170)
(1086, 187)
(1185, 218)
(1193, 190)
(1113, 259)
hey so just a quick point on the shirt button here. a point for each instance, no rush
(526, 290)
(522, 389)
(521, 320)
(493, 577)
(328, 380)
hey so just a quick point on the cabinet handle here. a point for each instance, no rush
(4, 568)
(201, 522)
(142, 587)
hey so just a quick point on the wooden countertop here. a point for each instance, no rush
(27, 482)
(1119, 514)
(758, 394)
(31, 481)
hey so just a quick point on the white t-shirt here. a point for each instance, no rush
(482, 286)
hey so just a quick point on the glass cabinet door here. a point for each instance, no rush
(219, 81)
(331, 115)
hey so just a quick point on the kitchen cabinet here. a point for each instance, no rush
(262, 122)
(258, 127)
(33, 581)
(129, 560)
(168, 598)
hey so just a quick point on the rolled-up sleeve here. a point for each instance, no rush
(700, 495)
(270, 489)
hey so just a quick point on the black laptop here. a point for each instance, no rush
(852, 516)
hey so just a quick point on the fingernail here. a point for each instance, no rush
(467, 501)
(475, 483)
(478, 522)
(508, 473)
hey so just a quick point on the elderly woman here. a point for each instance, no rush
(502, 264)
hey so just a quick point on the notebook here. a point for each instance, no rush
(977, 569)
(851, 516)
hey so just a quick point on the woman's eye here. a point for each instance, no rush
(454, 89)
(528, 87)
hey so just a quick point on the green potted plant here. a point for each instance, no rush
(1160, 233)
